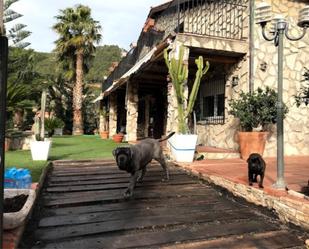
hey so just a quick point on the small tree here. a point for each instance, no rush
(178, 71)
(256, 109)
(303, 95)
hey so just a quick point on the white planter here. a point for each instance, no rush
(40, 150)
(183, 147)
(15, 219)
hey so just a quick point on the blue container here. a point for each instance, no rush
(17, 178)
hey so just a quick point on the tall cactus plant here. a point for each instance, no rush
(178, 72)
(39, 122)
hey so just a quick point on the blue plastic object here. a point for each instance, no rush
(17, 178)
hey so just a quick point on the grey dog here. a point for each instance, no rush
(135, 158)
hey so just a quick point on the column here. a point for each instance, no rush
(132, 111)
(113, 113)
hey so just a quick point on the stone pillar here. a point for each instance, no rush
(147, 115)
(172, 111)
(132, 111)
(113, 113)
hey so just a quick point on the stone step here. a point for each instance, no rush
(217, 153)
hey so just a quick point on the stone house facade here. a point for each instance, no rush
(141, 98)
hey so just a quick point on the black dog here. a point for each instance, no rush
(256, 166)
(135, 158)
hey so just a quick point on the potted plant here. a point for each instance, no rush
(183, 144)
(118, 137)
(40, 146)
(53, 125)
(104, 133)
(256, 111)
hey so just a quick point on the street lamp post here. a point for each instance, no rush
(281, 29)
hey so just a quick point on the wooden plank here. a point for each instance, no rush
(198, 188)
(102, 171)
(111, 167)
(82, 163)
(85, 178)
(103, 176)
(104, 186)
(117, 195)
(272, 239)
(155, 239)
(135, 204)
(136, 213)
(64, 232)
(173, 178)
(88, 172)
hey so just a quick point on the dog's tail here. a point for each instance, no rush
(167, 137)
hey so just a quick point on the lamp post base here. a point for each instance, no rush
(279, 185)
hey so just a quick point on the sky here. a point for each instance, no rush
(121, 20)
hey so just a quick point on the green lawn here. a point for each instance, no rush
(64, 147)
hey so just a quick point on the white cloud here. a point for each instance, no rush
(121, 20)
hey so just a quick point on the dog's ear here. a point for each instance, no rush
(261, 160)
(131, 153)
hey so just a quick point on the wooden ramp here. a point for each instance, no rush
(81, 206)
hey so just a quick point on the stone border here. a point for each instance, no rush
(38, 191)
(288, 209)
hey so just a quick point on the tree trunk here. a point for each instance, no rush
(18, 118)
(78, 127)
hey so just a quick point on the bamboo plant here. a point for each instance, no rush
(178, 72)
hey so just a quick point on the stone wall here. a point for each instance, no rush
(113, 113)
(132, 111)
(296, 124)
(224, 135)
(18, 140)
(211, 18)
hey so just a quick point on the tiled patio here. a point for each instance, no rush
(232, 174)
(296, 171)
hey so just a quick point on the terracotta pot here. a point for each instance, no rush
(251, 142)
(118, 137)
(104, 134)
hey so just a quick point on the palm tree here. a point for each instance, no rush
(78, 33)
(17, 34)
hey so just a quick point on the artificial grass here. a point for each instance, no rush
(63, 148)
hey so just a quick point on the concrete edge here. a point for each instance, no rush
(38, 190)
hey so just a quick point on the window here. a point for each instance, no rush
(212, 100)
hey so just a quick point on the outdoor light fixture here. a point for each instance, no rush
(303, 19)
(279, 30)
(263, 13)
(235, 81)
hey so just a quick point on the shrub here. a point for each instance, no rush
(303, 95)
(51, 124)
(256, 109)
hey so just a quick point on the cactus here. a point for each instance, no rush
(39, 129)
(178, 71)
